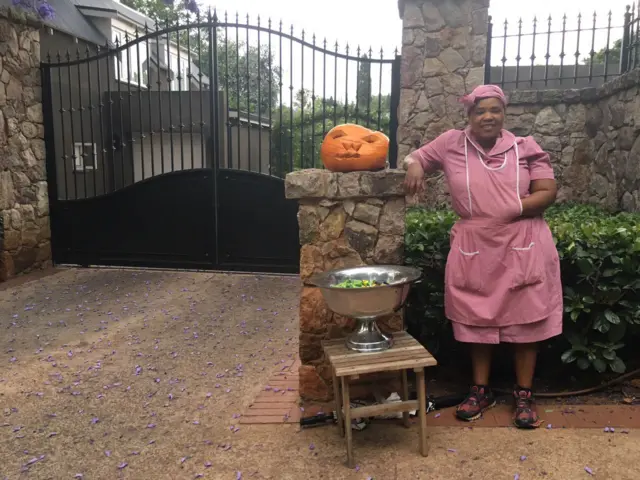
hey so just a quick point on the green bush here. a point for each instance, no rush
(600, 264)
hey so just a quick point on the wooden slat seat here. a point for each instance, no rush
(405, 354)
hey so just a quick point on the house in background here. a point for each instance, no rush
(138, 112)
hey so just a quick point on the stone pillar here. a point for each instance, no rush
(346, 220)
(24, 206)
(443, 54)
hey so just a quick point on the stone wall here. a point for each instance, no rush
(24, 205)
(444, 46)
(592, 135)
(346, 220)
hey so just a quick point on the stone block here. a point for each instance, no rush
(389, 250)
(339, 254)
(333, 225)
(315, 316)
(361, 237)
(310, 348)
(392, 221)
(433, 21)
(387, 183)
(367, 213)
(308, 224)
(311, 261)
(312, 386)
(311, 183)
(548, 122)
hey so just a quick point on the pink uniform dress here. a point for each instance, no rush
(502, 280)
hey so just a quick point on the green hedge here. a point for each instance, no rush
(600, 263)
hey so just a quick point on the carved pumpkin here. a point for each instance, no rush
(349, 147)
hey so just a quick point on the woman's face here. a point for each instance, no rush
(486, 118)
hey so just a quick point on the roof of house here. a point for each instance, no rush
(69, 20)
(114, 8)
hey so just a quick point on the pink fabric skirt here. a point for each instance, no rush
(525, 333)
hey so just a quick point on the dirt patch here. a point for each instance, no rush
(99, 368)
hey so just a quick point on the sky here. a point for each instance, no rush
(376, 24)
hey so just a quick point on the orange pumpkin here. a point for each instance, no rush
(349, 147)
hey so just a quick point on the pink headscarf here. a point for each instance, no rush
(483, 91)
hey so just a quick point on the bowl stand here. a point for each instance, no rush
(367, 337)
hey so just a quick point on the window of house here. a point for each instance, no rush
(85, 157)
(130, 64)
(180, 69)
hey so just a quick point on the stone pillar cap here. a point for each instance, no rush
(316, 183)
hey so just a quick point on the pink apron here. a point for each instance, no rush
(500, 272)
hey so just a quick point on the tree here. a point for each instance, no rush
(614, 54)
(170, 12)
(248, 76)
(245, 72)
(296, 140)
(364, 83)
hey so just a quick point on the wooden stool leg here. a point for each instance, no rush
(422, 411)
(338, 401)
(347, 420)
(405, 397)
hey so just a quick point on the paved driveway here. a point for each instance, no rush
(108, 374)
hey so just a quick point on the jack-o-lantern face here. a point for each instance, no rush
(349, 147)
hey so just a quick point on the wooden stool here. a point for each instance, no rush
(406, 353)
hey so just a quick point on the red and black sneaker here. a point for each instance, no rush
(479, 400)
(525, 415)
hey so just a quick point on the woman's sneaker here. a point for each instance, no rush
(525, 415)
(479, 400)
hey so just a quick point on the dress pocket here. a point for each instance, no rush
(526, 265)
(465, 264)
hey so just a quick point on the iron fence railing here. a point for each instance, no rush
(630, 55)
(143, 105)
(585, 50)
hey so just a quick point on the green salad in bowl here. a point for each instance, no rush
(350, 283)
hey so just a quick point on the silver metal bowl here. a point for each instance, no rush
(366, 304)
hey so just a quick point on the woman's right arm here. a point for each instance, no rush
(426, 159)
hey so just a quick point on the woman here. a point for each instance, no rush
(502, 280)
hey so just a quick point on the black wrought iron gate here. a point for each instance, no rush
(147, 167)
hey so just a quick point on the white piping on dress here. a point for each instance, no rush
(466, 163)
(493, 169)
(524, 249)
(515, 144)
(466, 167)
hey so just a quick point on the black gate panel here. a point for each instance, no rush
(260, 226)
(166, 221)
(168, 147)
